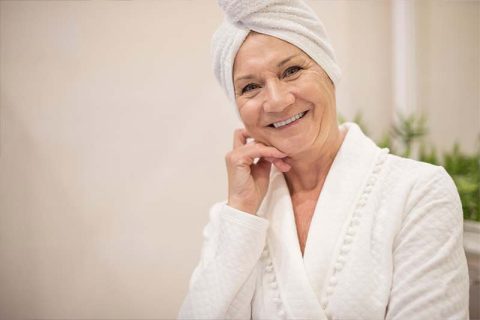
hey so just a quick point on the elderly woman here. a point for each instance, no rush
(320, 223)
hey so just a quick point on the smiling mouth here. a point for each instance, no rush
(283, 123)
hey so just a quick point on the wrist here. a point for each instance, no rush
(243, 206)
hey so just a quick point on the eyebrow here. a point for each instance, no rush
(281, 63)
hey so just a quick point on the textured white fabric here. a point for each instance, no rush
(385, 242)
(289, 20)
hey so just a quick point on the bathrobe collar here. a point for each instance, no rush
(302, 280)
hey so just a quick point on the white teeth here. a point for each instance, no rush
(290, 120)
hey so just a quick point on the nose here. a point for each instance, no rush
(278, 97)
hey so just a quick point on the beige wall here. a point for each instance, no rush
(448, 62)
(360, 34)
(113, 132)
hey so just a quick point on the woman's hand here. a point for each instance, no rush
(247, 180)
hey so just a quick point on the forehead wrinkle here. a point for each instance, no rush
(279, 64)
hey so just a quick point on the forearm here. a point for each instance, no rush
(223, 283)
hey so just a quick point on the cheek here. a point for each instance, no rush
(250, 115)
(321, 96)
(315, 87)
(251, 118)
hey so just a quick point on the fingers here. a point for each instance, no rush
(279, 163)
(282, 165)
(240, 137)
(258, 150)
(245, 153)
(261, 173)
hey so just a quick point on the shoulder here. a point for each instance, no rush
(412, 168)
(422, 184)
(416, 174)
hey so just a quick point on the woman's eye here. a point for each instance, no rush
(291, 70)
(249, 87)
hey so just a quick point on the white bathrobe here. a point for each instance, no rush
(385, 242)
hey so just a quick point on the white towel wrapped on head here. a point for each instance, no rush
(290, 20)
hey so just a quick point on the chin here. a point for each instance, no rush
(293, 147)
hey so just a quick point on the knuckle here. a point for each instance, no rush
(258, 146)
(232, 158)
(238, 132)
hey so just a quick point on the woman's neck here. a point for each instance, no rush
(309, 170)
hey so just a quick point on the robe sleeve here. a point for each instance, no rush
(223, 283)
(430, 273)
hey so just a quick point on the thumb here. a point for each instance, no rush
(261, 173)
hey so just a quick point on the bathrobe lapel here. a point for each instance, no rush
(302, 280)
(342, 190)
(299, 299)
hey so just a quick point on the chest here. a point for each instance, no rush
(362, 283)
(303, 211)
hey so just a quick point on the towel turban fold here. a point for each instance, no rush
(290, 20)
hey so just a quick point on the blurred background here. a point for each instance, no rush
(113, 133)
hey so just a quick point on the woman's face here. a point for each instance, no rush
(285, 99)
